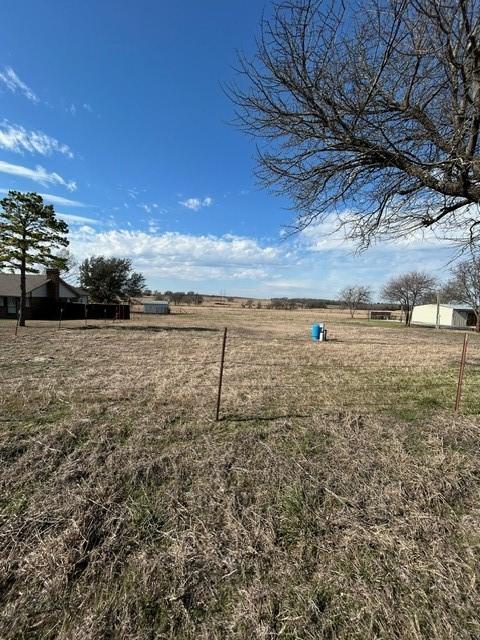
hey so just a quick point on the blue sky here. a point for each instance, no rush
(115, 112)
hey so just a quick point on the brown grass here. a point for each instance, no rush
(310, 511)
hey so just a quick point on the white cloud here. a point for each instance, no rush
(181, 256)
(18, 139)
(196, 203)
(249, 267)
(87, 107)
(87, 231)
(13, 83)
(39, 174)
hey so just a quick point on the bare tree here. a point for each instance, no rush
(408, 290)
(354, 296)
(70, 266)
(465, 285)
(370, 111)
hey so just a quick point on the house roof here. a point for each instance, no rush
(10, 284)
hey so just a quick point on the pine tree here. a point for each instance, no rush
(29, 233)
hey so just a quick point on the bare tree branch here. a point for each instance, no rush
(374, 108)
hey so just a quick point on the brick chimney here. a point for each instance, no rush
(53, 287)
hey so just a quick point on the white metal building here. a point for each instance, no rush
(451, 315)
(159, 306)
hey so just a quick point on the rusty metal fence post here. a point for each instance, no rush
(461, 374)
(220, 380)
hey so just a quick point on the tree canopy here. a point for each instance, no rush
(110, 279)
(369, 111)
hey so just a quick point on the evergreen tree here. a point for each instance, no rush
(110, 279)
(29, 233)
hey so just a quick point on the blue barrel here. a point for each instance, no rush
(316, 332)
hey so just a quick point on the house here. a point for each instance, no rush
(455, 316)
(45, 293)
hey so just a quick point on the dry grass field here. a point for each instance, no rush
(337, 497)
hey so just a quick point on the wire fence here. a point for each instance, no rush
(244, 374)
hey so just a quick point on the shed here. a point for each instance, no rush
(380, 315)
(159, 306)
(451, 315)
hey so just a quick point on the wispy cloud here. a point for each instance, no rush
(52, 199)
(73, 108)
(329, 235)
(18, 139)
(196, 203)
(39, 174)
(148, 208)
(153, 226)
(65, 202)
(74, 219)
(12, 82)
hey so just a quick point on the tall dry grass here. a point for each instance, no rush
(127, 512)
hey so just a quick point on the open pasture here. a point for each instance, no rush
(337, 497)
(170, 365)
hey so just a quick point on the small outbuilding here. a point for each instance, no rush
(380, 315)
(454, 316)
(159, 306)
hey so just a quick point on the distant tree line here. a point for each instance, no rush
(301, 303)
(179, 297)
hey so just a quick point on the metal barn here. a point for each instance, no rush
(159, 306)
(451, 315)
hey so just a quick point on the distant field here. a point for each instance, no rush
(336, 498)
